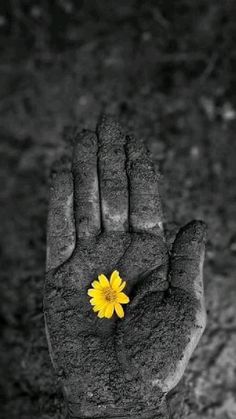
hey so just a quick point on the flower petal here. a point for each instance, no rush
(97, 285)
(119, 310)
(115, 280)
(122, 298)
(103, 281)
(122, 286)
(109, 311)
(98, 300)
(94, 301)
(101, 313)
(99, 305)
(94, 293)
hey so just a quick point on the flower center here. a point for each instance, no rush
(110, 294)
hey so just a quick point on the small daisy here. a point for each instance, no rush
(107, 296)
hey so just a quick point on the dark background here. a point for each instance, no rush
(167, 70)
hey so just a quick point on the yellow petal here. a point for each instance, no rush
(115, 280)
(109, 311)
(97, 285)
(97, 301)
(101, 313)
(94, 293)
(103, 281)
(93, 301)
(119, 310)
(99, 306)
(122, 298)
(122, 286)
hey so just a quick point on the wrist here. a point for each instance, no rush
(160, 412)
(154, 416)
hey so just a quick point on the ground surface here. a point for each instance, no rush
(167, 71)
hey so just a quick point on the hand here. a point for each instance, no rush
(105, 215)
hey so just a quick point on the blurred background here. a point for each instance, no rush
(167, 71)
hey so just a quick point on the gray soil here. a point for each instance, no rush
(164, 72)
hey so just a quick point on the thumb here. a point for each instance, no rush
(186, 265)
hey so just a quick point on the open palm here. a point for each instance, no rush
(105, 215)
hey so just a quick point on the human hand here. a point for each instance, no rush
(105, 215)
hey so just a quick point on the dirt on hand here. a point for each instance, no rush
(166, 72)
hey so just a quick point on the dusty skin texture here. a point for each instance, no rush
(119, 368)
(165, 70)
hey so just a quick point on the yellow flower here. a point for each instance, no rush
(107, 296)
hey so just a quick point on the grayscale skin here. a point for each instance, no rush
(105, 215)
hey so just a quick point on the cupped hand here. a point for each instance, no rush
(105, 215)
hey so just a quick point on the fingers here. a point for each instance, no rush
(86, 190)
(145, 205)
(60, 229)
(112, 175)
(186, 267)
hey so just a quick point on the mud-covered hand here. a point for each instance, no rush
(105, 215)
